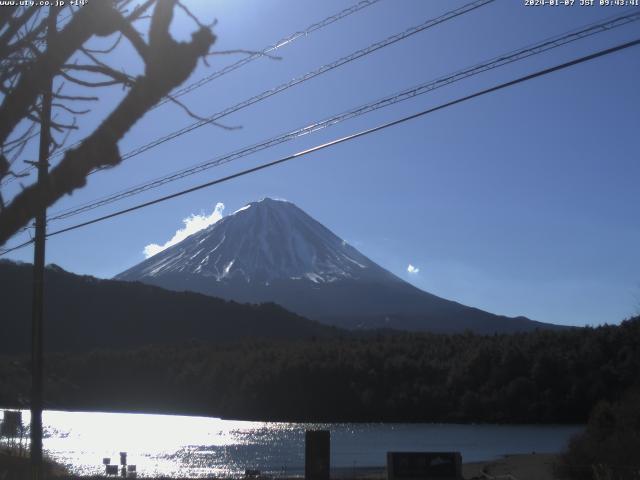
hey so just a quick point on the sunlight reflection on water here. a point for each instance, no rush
(183, 446)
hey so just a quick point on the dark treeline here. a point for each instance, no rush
(85, 313)
(609, 446)
(543, 376)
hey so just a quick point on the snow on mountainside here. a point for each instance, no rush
(261, 242)
(272, 251)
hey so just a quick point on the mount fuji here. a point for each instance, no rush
(272, 251)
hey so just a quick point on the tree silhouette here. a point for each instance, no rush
(27, 60)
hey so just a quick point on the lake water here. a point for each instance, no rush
(183, 446)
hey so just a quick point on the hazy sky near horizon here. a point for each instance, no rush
(522, 202)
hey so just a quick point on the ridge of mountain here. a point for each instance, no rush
(85, 313)
(271, 250)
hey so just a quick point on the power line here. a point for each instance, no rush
(240, 63)
(4, 251)
(308, 76)
(507, 58)
(501, 86)
(271, 48)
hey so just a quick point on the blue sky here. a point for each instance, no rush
(523, 202)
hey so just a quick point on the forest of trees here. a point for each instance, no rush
(609, 446)
(85, 313)
(543, 376)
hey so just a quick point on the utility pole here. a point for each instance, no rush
(38, 265)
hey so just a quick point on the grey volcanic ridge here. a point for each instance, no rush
(272, 251)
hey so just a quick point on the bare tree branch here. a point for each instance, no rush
(118, 77)
(17, 150)
(106, 50)
(55, 145)
(195, 116)
(86, 83)
(32, 36)
(70, 110)
(61, 127)
(14, 25)
(75, 98)
(136, 40)
(192, 16)
(4, 165)
(140, 10)
(6, 14)
(11, 143)
(169, 63)
(95, 18)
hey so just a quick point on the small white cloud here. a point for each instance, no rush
(412, 269)
(192, 224)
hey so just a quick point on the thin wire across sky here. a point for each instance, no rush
(264, 52)
(374, 47)
(501, 86)
(407, 94)
(353, 56)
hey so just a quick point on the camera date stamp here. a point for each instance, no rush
(581, 3)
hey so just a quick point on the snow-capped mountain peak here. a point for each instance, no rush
(263, 241)
(272, 251)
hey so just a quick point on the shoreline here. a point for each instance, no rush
(528, 466)
(520, 465)
(532, 466)
(179, 413)
(523, 466)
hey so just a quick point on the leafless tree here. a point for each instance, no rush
(27, 59)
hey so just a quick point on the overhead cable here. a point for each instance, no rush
(332, 143)
(499, 61)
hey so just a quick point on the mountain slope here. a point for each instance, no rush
(262, 242)
(273, 251)
(84, 312)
